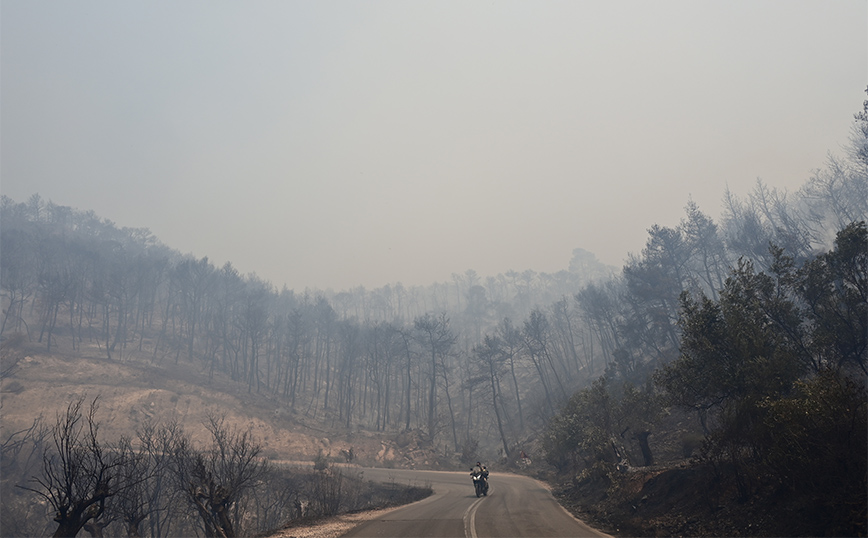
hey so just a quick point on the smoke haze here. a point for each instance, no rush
(329, 145)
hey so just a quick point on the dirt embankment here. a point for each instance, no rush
(141, 388)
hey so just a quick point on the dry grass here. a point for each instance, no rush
(141, 389)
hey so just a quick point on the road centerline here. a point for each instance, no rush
(470, 519)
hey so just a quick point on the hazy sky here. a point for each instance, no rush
(331, 144)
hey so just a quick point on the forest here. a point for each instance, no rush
(755, 324)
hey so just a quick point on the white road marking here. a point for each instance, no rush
(470, 519)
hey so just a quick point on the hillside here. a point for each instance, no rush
(141, 389)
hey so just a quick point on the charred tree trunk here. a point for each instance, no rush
(642, 439)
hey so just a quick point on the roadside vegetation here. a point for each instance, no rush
(161, 484)
(774, 372)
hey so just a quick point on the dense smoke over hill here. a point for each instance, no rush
(385, 358)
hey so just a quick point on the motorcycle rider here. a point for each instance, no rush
(480, 469)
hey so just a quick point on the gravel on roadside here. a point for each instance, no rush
(332, 527)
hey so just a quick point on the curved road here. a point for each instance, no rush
(515, 506)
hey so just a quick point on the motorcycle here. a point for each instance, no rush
(480, 484)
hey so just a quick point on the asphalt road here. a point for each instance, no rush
(515, 506)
